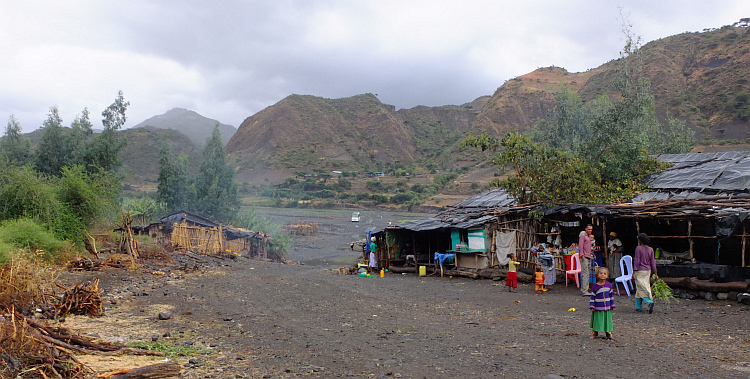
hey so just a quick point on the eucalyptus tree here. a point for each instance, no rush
(14, 148)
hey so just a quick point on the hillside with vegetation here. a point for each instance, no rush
(140, 156)
(700, 78)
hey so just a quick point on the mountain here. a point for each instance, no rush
(309, 131)
(192, 124)
(701, 78)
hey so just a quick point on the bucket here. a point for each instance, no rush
(422, 270)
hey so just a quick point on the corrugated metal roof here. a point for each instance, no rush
(490, 199)
(467, 213)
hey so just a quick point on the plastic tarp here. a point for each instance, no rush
(726, 225)
(673, 195)
(724, 171)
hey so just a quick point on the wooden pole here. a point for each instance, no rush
(605, 261)
(743, 245)
(690, 240)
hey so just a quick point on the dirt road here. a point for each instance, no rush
(269, 320)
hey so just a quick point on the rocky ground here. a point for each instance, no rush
(246, 318)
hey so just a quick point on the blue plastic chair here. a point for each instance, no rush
(626, 267)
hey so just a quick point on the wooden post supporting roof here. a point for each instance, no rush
(744, 232)
(690, 239)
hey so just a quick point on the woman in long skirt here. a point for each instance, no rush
(644, 264)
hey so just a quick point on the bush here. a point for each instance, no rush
(402, 198)
(28, 234)
(26, 194)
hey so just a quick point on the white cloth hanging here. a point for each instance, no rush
(505, 243)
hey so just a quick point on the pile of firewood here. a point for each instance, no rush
(29, 349)
(84, 298)
(25, 353)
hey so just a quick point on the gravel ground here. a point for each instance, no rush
(270, 320)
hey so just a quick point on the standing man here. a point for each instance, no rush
(614, 246)
(584, 254)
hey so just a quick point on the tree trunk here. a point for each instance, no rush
(705, 285)
(159, 370)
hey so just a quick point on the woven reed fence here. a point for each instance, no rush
(208, 241)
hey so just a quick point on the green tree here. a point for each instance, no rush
(142, 209)
(80, 133)
(174, 183)
(13, 147)
(217, 194)
(104, 151)
(53, 150)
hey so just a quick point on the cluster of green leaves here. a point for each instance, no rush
(589, 153)
(662, 292)
(213, 192)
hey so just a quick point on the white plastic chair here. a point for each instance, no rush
(626, 267)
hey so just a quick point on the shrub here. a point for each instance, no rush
(402, 198)
(27, 233)
(25, 193)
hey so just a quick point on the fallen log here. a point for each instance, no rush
(706, 285)
(159, 370)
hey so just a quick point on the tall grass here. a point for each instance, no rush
(28, 235)
(280, 240)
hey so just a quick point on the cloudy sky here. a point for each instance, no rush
(228, 60)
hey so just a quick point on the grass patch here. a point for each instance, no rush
(168, 349)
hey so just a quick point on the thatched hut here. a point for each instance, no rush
(189, 231)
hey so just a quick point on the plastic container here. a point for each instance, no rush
(362, 274)
(657, 253)
(422, 270)
(382, 273)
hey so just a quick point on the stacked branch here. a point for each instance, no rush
(84, 298)
(128, 243)
(24, 352)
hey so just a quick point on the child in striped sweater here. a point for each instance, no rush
(601, 304)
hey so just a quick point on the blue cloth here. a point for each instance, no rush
(442, 258)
